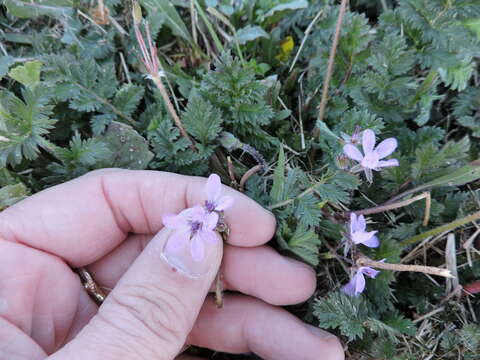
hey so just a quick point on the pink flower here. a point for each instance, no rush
(354, 139)
(358, 233)
(372, 157)
(216, 202)
(357, 284)
(193, 225)
(196, 225)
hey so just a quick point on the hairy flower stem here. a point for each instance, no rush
(382, 208)
(152, 64)
(364, 261)
(158, 83)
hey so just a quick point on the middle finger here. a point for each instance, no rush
(258, 271)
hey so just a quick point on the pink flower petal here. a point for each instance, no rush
(196, 213)
(210, 221)
(373, 242)
(197, 248)
(386, 147)
(372, 273)
(359, 283)
(387, 163)
(360, 237)
(173, 221)
(177, 241)
(209, 236)
(368, 141)
(224, 203)
(361, 223)
(352, 152)
(349, 288)
(370, 160)
(213, 188)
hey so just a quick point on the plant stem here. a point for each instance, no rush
(382, 208)
(248, 174)
(158, 82)
(331, 60)
(364, 261)
(439, 229)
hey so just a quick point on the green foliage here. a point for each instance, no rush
(24, 124)
(74, 97)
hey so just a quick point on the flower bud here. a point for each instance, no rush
(137, 13)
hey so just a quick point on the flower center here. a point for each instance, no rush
(210, 206)
(195, 226)
(370, 160)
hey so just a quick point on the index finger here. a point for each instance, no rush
(84, 219)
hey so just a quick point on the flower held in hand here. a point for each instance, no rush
(196, 226)
(216, 202)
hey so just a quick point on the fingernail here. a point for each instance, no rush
(190, 256)
(324, 335)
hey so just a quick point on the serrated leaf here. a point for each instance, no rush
(276, 193)
(202, 120)
(347, 313)
(305, 243)
(250, 33)
(127, 98)
(27, 74)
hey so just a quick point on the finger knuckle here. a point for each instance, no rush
(157, 312)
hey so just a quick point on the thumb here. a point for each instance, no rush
(153, 307)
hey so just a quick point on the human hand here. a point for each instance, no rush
(107, 221)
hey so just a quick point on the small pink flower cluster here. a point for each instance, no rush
(370, 160)
(196, 225)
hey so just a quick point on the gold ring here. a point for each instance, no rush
(93, 289)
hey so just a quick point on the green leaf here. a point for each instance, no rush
(24, 124)
(276, 193)
(29, 9)
(290, 5)
(250, 33)
(172, 18)
(10, 194)
(457, 76)
(458, 177)
(473, 25)
(5, 62)
(347, 313)
(128, 149)
(127, 98)
(305, 243)
(28, 74)
(202, 120)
